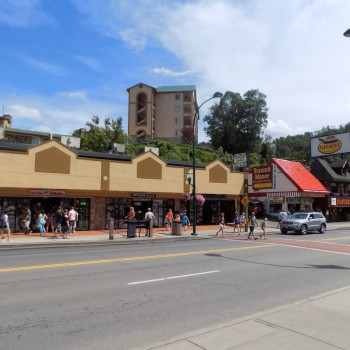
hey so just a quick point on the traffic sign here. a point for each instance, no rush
(245, 201)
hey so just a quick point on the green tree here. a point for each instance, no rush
(236, 123)
(99, 138)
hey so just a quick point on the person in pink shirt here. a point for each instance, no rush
(72, 219)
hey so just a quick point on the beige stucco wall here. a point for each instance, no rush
(144, 173)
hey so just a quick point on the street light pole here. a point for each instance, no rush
(347, 33)
(195, 120)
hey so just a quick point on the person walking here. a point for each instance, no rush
(26, 221)
(5, 227)
(169, 220)
(281, 216)
(242, 222)
(252, 223)
(236, 224)
(221, 223)
(149, 217)
(72, 219)
(131, 214)
(58, 222)
(185, 221)
(264, 226)
(64, 224)
(42, 222)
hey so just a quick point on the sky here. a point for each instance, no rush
(64, 61)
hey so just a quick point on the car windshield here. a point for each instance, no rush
(298, 216)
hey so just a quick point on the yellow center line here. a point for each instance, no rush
(146, 257)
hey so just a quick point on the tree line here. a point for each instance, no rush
(235, 124)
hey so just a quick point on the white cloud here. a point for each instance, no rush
(44, 66)
(168, 72)
(23, 13)
(89, 62)
(291, 50)
(20, 111)
(75, 95)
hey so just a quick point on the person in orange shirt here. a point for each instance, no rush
(168, 219)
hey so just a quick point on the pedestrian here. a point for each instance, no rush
(64, 224)
(131, 214)
(252, 223)
(42, 218)
(58, 222)
(149, 217)
(49, 226)
(185, 221)
(26, 221)
(5, 227)
(236, 224)
(169, 220)
(281, 216)
(264, 226)
(72, 219)
(177, 217)
(242, 222)
(222, 225)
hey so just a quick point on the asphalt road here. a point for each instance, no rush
(124, 297)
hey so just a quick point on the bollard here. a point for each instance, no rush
(111, 228)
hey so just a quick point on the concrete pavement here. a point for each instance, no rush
(320, 322)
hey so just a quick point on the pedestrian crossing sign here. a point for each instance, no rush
(244, 201)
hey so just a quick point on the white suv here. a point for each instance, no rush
(304, 221)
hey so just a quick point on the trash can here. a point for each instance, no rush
(131, 228)
(176, 228)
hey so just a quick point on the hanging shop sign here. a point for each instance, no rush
(46, 192)
(262, 177)
(146, 195)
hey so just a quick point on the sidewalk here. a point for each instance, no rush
(318, 323)
(120, 236)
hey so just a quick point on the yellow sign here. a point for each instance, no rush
(245, 201)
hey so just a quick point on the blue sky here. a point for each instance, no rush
(63, 61)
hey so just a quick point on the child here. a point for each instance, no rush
(185, 222)
(263, 227)
(221, 224)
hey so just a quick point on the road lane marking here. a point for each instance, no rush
(136, 258)
(336, 239)
(173, 277)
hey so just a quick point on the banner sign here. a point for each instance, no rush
(340, 201)
(262, 177)
(45, 192)
(331, 144)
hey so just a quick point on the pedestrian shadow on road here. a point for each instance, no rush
(308, 266)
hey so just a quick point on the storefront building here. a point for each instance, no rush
(335, 177)
(103, 186)
(283, 184)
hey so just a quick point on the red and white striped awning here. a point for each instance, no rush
(289, 194)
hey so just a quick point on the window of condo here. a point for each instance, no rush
(177, 96)
(177, 108)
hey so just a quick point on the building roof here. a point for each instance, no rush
(34, 133)
(180, 88)
(325, 172)
(299, 176)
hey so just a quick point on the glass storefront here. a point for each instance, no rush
(17, 206)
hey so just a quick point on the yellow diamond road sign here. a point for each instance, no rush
(245, 201)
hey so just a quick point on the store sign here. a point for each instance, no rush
(262, 177)
(340, 201)
(143, 195)
(215, 197)
(45, 192)
(330, 144)
(240, 160)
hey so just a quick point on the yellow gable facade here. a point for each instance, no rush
(101, 187)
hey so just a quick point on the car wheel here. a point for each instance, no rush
(322, 229)
(284, 232)
(303, 230)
